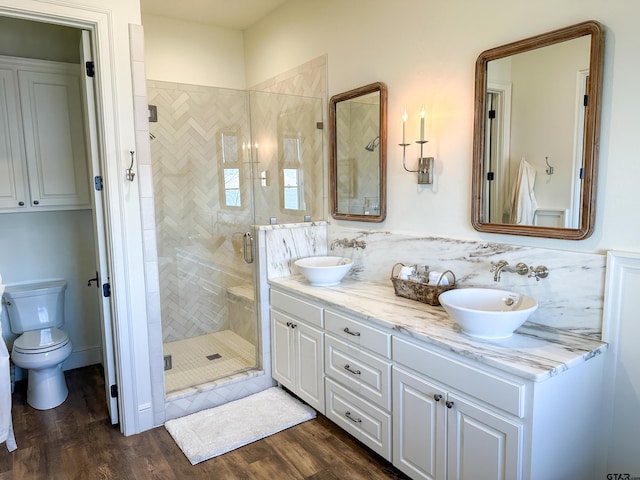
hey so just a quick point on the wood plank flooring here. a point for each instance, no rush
(76, 441)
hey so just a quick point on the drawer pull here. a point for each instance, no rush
(348, 368)
(354, 420)
(355, 334)
(437, 397)
(449, 404)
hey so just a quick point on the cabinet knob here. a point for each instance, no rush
(449, 404)
(437, 397)
(21, 204)
(36, 202)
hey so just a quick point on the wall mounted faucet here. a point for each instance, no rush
(521, 269)
(346, 243)
(503, 266)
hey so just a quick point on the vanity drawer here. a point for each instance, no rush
(306, 311)
(364, 421)
(358, 333)
(363, 373)
(500, 392)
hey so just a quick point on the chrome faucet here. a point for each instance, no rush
(345, 243)
(503, 266)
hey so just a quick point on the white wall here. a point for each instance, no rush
(47, 245)
(186, 52)
(425, 52)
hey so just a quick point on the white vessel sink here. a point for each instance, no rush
(486, 312)
(324, 271)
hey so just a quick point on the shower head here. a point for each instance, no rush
(371, 146)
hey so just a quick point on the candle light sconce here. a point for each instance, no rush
(425, 164)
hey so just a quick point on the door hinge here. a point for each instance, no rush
(585, 100)
(114, 391)
(490, 176)
(97, 181)
(492, 114)
(581, 175)
(106, 290)
(91, 69)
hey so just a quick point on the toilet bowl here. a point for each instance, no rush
(36, 310)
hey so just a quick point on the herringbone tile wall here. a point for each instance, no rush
(197, 261)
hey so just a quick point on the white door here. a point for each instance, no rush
(308, 357)
(419, 419)
(282, 358)
(481, 444)
(102, 249)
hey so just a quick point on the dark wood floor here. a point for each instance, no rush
(76, 441)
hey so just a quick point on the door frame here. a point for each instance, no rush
(116, 137)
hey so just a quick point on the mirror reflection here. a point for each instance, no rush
(358, 154)
(535, 145)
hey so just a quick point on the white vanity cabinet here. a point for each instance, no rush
(441, 405)
(358, 380)
(456, 419)
(440, 434)
(297, 344)
(43, 160)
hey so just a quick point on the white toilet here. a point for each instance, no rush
(36, 310)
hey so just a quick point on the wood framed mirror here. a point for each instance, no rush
(536, 134)
(358, 157)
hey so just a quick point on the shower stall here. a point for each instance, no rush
(223, 161)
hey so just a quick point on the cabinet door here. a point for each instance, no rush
(309, 347)
(54, 139)
(419, 431)
(481, 443)
(12, 185)
(282, 357)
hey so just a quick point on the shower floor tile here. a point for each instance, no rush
(206, 358)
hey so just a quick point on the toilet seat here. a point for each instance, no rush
(41, 341)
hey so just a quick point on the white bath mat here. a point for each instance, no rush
(219, 430)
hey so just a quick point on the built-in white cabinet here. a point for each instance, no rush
(438, 434)
(43, 161)
(434, 413)
(297, 344)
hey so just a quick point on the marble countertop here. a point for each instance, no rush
(534, 352)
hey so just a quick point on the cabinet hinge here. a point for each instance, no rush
(581, 174)
(90, 68)
(97, 181)
(490, 176)
(106, 290)
(492, 114)
(114, 391)
(585, 100)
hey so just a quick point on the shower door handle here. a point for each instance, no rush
(247, 251)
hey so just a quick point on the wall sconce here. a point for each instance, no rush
(425, 164)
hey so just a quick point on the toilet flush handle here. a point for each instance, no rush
(95, 279)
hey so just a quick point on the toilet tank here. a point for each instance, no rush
(34, 306)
